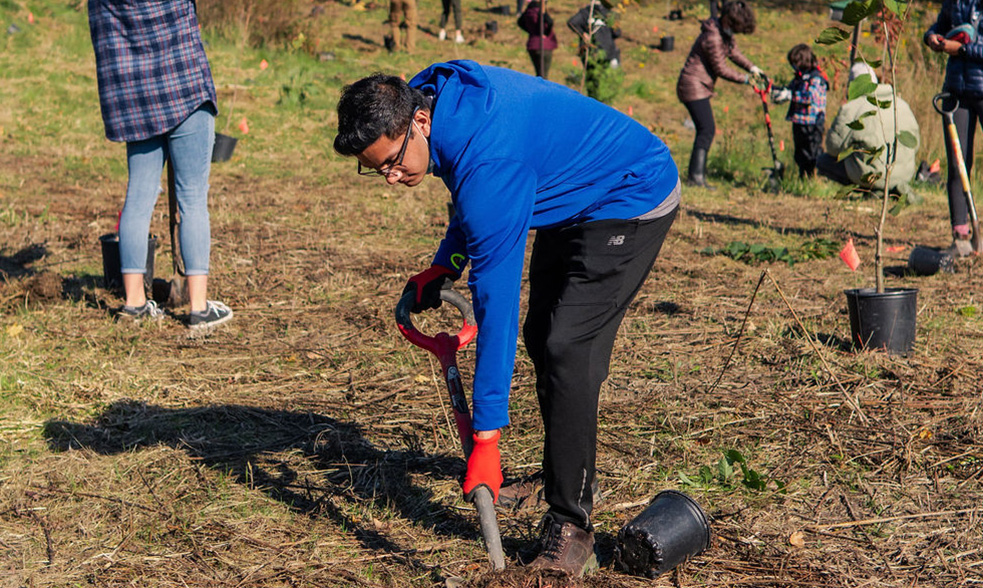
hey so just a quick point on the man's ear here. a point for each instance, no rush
(423, 121)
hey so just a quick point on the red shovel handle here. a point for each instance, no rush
(436, 344)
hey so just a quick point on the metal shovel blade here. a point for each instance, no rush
(483, 501)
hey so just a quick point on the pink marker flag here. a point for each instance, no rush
(263, 64)
(849, 255)
(244, 126)
(30, 17)
(631, 112)
(781, 144)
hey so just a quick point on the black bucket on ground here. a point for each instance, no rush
(223, 147)
(671, 529)
(926, 261)
(112, 266)
(883, 321)
(667, 43)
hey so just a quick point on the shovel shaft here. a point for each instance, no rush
(977, 239)
(445, 347)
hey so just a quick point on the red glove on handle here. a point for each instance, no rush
(484, 466)
(428, 284)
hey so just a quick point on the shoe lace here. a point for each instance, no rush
(553, 542)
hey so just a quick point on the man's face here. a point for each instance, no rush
(387, 155)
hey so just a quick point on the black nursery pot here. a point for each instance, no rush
(112, 266)
(883, 321)
(671, 529)
(667, 43)
(223, 147)
(926, 261)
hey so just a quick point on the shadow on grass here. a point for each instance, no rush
(248, 444)
(728, 219)
(15, 266)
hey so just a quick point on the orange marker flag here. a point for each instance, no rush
(849, 255)
(726, 108)
(655, 29)
(244, 126)
(30, 17)
(631, 112)
(263, 64)
(781, 144)
(935, 167)
(402, 76)
(895, 248)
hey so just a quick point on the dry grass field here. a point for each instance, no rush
(308, 444)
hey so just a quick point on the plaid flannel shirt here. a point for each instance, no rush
(808, 98)
(151, 65)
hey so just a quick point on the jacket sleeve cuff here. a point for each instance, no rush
(490, 416)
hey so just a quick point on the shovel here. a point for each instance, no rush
(950, 127)
(777, 171)
(177, 293)
(445, 347)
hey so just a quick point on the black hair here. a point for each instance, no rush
(738, 16)
(801, 58)
(372, 107)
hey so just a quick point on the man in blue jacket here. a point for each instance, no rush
(520, 153)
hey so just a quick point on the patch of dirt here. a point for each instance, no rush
(45, 287)
(528, 578)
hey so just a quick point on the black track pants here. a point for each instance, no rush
(702, 115)
(581, 281)
(966, 117)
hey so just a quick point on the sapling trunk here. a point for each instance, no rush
(889, 160)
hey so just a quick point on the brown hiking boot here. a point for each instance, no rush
(566, 548)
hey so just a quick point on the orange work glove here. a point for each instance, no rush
(484, 467)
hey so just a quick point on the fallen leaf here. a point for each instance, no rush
(797, 539)
(15, 330)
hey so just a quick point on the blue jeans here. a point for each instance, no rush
(189, 146)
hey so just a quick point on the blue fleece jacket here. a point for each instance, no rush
(519, 152)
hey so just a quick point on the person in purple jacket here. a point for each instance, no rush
(601, 191)
(536, 21)
(156, 95)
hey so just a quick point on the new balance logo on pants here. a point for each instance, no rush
(615, 240)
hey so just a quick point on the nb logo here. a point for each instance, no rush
(616, 240)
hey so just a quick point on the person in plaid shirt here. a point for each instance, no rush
(807, 110)
(156, 95)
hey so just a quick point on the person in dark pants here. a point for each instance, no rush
(964, 83)
(449, 5)
(601, 203)
(806, 94)
(536, 21)
(707, 60)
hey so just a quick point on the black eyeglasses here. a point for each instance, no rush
(389, 169)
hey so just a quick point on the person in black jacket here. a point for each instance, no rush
(956, 33)
(591, 25)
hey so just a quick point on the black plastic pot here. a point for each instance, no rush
(671, 529)
(883, 321)
(223, 147)
(111, 264)
(667, 43)
(925, 261)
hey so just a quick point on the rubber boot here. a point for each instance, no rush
(698, 169)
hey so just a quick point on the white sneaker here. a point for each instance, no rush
(459, 38)
(442, 35)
